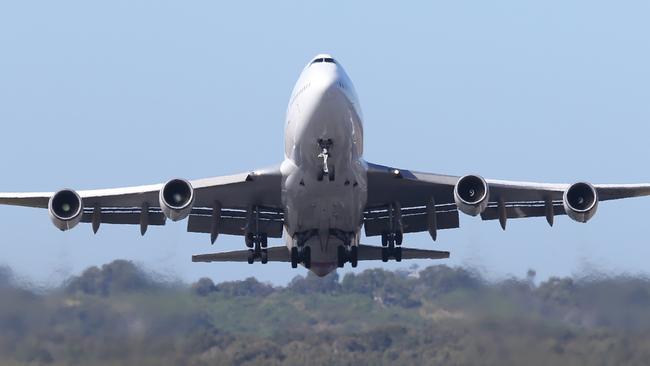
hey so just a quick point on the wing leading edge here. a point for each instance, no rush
(412, 193)
(234, 195)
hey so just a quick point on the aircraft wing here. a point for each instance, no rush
(371, 252)
(416, 192)
(235, 195)
(281, 254)
(275, 254)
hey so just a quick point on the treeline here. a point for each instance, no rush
(120, 314)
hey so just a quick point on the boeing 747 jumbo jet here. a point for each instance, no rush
(323, 193)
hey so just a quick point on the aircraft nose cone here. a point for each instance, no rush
(326, 84)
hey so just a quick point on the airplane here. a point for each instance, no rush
(323, 194)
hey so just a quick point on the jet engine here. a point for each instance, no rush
(176, 199)
(471, 194)
(580, 201)
(65, 208)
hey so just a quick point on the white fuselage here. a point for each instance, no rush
(323, 108)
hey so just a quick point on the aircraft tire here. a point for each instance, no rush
(294, 257)
(306, 256)
(249, 240)
(384, 255)
(264, 240)
(398, 238)
(354, 256)
(264, 256)
(340, 256)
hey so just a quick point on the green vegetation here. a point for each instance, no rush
(118, 314)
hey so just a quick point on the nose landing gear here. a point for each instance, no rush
(325, 146)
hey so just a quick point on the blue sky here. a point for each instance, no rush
(102, 94)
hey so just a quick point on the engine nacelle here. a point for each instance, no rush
(65, 208)
(580, 201)
(471, 194)
(176, 199)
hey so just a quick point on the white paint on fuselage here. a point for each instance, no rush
(323, 105)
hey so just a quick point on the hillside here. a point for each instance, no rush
(118, 314)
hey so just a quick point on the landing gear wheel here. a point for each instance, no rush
(398, 254)
(398, 238)
(306, 257)
(384, 255)
(331, 174)
(250, 240)
(251, 256)
(340, 256)
(320, 176)
(264, 240)
(384, 240)
(294, 257)
(264, 256)
(354, 256)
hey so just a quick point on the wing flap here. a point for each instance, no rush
(234, 222)
(414, 219)
(515, 210)
(125, 217)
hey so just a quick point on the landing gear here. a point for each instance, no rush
(325, 146)
(306, 257)
(391, 246)
(388, 252)
(301, 252)
(345, 252)
(264, 256)
(257, 244)
(256, 240)
(301, 255)
(294, 257)
(340, 256)
(391, 239)
(348, 253)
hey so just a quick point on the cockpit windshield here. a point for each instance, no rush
(324, 59)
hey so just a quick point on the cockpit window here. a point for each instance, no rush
(325, 59)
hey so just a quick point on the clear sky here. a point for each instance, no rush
(104, 94)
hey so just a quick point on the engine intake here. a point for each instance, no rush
(471, 194)
(580, 201)
(65, 208)
(176, 199)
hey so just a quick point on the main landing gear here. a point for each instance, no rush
(301, 253)
(391, 246)
(346, 252)
(257, 244)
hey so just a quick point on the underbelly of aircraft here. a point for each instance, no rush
(322, 213)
